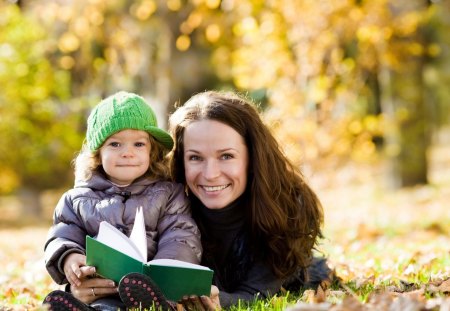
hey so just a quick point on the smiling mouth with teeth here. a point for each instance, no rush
(215, 188)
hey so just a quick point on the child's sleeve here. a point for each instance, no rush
(64, 237)
(179, 236)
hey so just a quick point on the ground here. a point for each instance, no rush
(377, 240)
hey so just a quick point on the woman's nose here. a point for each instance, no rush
(211, 170)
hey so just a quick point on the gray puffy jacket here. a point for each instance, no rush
(171, 232)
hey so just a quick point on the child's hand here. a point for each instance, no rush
(72, 269)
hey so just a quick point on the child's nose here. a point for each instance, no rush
(127, 151)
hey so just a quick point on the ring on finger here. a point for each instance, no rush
(93, 291)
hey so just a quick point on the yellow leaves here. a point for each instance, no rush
(212, 4)
(370, 33)
(434, 50)
(66, 62)
(408, 23)
(192, 22)
(95, 17)
(68, 42)
(144, 9)
(213, 32)
(21, 70)
(355, 127)
(174, 5)
(183, 42)
(81, 26)
(8, 179)
(24, 280)
(247, 27)
(319, 88)
(221, 59)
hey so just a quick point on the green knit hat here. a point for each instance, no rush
(122, 111)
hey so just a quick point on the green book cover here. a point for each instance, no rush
(175, 278)
(115, 255)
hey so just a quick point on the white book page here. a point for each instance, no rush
(138, 234)
(176, 263)
(114, 238)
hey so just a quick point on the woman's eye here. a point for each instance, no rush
(194, 158)
(227, 156)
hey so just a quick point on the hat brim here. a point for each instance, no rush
(162, 136)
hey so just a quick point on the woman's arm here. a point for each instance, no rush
(260, 283)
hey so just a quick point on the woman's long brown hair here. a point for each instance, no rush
(284, 211)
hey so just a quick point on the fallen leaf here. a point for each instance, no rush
(445, 286)
(360, 282)
(418, 295)
(403, 303)
(348, 304)
(380, 301)
(320, 295)
(302, 306)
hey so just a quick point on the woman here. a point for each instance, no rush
(258, 218)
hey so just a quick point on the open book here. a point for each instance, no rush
(114, 255)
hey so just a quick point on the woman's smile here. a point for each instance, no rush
(214, 188)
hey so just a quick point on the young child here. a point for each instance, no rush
(122, 166)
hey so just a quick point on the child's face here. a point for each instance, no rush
(125, 156)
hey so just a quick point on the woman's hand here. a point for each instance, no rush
(91, 289)
(203, 303)
(83, 283)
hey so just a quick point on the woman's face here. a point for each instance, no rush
(216, 162)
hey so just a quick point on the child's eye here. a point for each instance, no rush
(114, 144)
(139, 144)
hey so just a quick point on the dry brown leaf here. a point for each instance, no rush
(309, 295)
(445, 286)
(302, 306)
(360, 282)
(380, 301)
(438, 303)
(336, 293)
(349, 304)
(403, 303)
(9, 292)
(320, 295)
(365, 232)
(317, 296)
(418, 295)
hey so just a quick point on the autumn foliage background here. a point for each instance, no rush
(355, 91)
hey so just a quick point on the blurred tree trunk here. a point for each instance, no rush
(30, 201)
(406, 107)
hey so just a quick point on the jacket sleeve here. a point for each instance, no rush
(179, 236)
(66, 236)
(260, 283)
